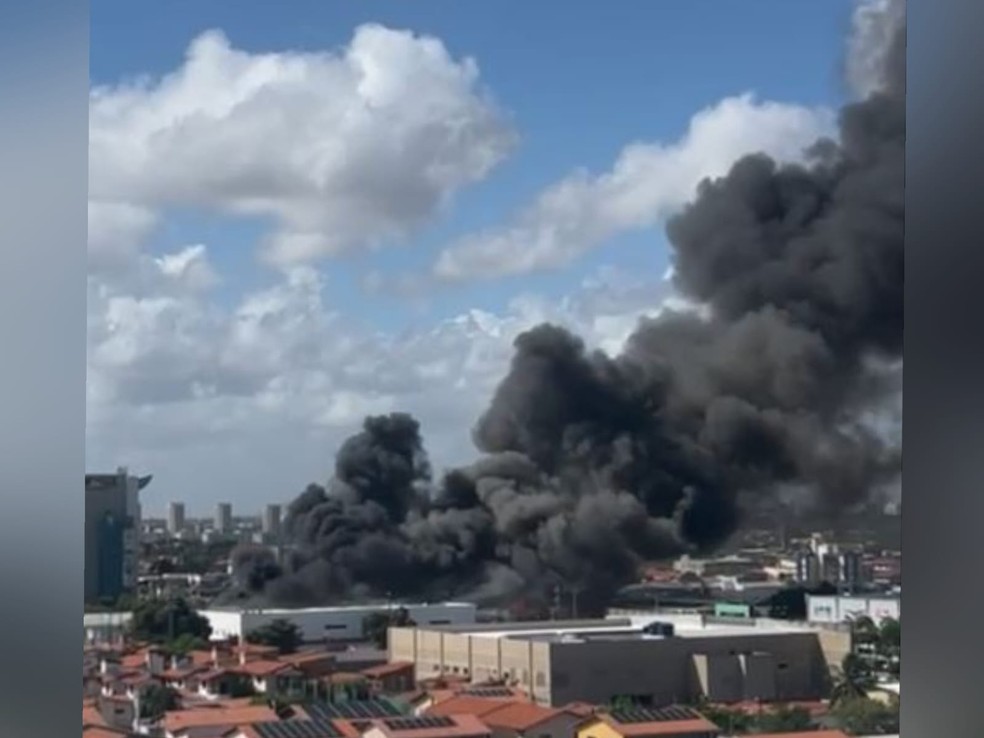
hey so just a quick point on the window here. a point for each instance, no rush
(541, 681)
(336, 626)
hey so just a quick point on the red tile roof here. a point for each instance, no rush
(383, 670)
(519, 716)
(262, 667)
(95, 731)
(465, 726)
(805, 734)
(181, 719)
(697, 726)
(464, 704)
(582, 709)
(92, 716)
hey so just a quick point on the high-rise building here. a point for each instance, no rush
(112, 534)
(223, 518)
(175, 518)
(807, 567)
(852, 572)
(830, 568)
(271, 521)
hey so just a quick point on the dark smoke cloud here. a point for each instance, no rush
(592, 464)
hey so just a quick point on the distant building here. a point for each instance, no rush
(271, 521)
(852, 570)
(807, 568)
(344, 623)
(656, 659)
(223, 518)
(105, 627)
(840, 609)
(112, 534)
(830, 568)
(176, 518)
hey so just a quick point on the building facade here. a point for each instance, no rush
(271, 522)
(331, 623)
(223, 518)
(112, 534)
(600, 661)
(833, 609)
(175, 518)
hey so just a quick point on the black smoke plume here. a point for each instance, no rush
(592, 464)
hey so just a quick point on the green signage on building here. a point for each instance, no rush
(732, 610)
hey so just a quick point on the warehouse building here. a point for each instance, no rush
(331, 623)
(655, 660)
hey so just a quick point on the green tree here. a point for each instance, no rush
(375, 628)
(241, 688)
(731, 722)
(864, 630)
(784, 719)
(185, 643)
(165, 620)
(890, 644)
(157, 700)
(283, 635)
(852, 681)
(863, 716)
(377, 624)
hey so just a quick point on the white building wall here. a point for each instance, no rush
(832, 609)
(332, 623)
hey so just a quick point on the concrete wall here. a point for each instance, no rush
(664, 670)
(402, 644)
(540, 657)
(430, 654)
(760, 678)
(485, 658)
(517, 661)
(457, 654)
(720, 677)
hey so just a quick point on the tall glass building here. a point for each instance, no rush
(112, 534)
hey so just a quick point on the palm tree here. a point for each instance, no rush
(853, 680)
(864, 629)
(890, 644)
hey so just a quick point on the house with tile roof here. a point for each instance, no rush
(529, 720)
(667, 722)
(806, 734)
(429, 726)
(178, 722)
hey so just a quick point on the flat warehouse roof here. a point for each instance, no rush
(684, 626)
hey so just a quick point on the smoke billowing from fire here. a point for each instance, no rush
(591, 464)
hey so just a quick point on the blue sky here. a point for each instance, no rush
(579, 79)
(577, 83)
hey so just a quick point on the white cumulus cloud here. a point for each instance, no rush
(339, 150)
(646, 183)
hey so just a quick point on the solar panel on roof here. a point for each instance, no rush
(359, 709)
(653, 715)
(419, 723)
(489, 692)
(297, 729)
